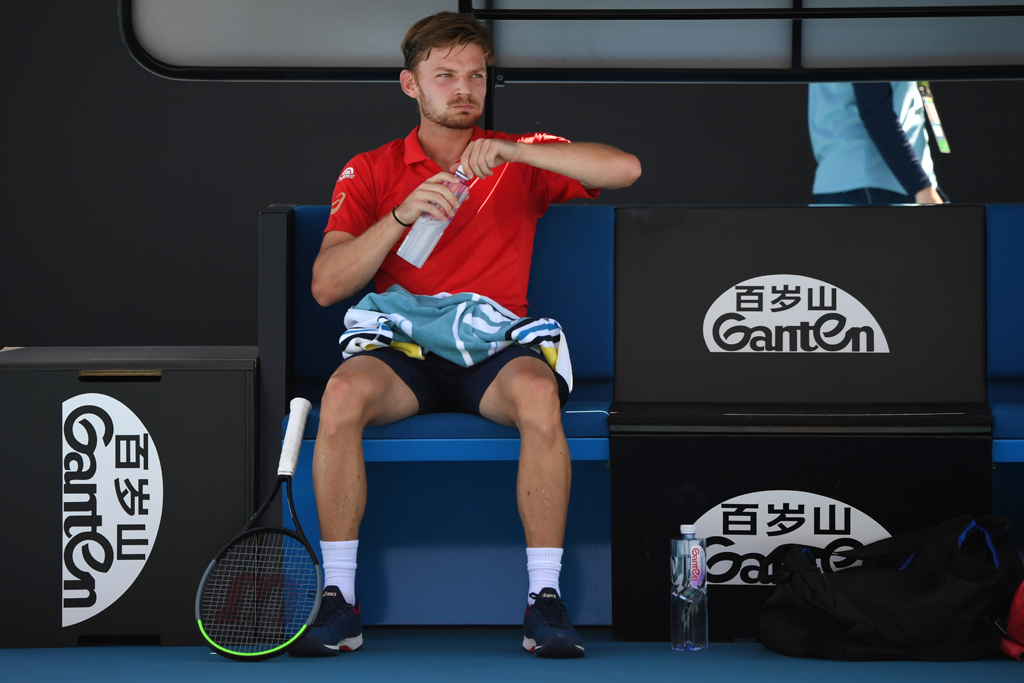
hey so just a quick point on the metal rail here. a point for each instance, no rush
(741, 14)
(500, 76)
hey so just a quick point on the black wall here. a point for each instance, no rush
(130, 201)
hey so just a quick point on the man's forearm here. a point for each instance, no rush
(593, 164)
(343, 267)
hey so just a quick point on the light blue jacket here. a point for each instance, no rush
(847, 157)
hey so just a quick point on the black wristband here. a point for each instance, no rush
(395, 216)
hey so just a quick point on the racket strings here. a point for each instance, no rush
(260, 593)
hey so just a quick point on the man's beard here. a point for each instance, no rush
(455, 121)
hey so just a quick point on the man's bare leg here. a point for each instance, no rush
(525, 394)
(364, 390)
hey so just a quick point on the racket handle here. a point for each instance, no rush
(293, 437)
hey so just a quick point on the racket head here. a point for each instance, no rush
(259, 595)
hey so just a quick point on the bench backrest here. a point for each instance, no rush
(1004, 225)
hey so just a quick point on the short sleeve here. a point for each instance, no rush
(353, 205)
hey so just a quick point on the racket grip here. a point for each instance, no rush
(293, 437)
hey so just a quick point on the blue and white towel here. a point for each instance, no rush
(463, 328)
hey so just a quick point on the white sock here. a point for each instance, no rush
(340, 567)
(544, 566)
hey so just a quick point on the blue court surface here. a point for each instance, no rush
(479, 654)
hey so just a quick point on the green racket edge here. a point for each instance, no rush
(252, 656)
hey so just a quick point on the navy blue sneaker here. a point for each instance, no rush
(547, 628)
(338, 627)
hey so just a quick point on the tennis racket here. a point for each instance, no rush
(262, 591)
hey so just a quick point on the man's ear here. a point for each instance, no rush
(409, 85)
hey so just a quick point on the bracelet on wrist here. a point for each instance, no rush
(395, 216)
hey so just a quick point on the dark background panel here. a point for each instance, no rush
(131, 201)
(698, 143)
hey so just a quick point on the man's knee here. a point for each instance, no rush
(346, 399)
(535, 394)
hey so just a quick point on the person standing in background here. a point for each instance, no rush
(871, 144)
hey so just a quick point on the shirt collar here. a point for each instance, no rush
(414, 151)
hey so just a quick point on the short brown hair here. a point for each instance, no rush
(445, 29)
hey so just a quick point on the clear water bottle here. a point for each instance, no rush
(427, 230)
(689, 591)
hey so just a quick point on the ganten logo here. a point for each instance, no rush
(790, 314)
(113, 497)
(741, 532)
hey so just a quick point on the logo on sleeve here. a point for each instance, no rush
(336, 204)
(347, 173)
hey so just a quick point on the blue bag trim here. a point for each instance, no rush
(973, 526)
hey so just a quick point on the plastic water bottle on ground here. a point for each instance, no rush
(689, 591)
(427, 230)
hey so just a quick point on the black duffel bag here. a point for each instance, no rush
(933, 594)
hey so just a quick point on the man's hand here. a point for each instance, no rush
(927, 196)
(483, 155)
(346, 263)
(432, 196)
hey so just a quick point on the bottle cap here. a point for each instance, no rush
(688, 528)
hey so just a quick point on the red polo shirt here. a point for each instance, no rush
(487, 248)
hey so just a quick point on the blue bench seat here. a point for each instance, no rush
(426, 437)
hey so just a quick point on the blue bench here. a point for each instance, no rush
(441, 516)
(442, 512)
(1005, 236)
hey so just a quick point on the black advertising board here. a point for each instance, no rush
(128, 469)
(748, 494)
(810, 375)
(800, 304)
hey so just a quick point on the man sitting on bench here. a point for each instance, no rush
(486, 250)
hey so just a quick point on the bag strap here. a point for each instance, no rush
(788, 558)
(897, 551)
(974, 527)
(903, 546)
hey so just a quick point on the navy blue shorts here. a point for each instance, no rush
(443, 386)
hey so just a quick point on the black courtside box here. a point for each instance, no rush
(809, 375)
(126, 470)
